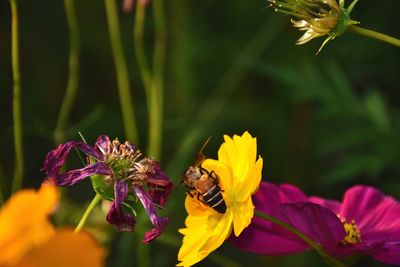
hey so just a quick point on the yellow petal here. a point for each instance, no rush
(242, 214)
(202, 236)
(195, 207)
(253, 179)
(240, 154)
(66, 249)
(24, 223)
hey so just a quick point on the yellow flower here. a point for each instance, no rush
(239, 173)
(28, 239)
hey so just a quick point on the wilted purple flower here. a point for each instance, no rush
(366, 223)
(125, 170)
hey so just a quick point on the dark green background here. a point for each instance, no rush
(322, 122)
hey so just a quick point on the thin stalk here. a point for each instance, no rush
(87, 212)
(18, 142)
(329, 259)
(121, 72)
(375, 35)
(144, 70)
(143, 251)
(157, 100)
(73, 69)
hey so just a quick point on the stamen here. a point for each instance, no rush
(353, 235)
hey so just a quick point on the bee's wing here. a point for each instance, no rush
(200, 156)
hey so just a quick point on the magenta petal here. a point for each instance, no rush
(159, 194)
(270, 195)
(55, 159)
(159, 184)
(333, 205)
(73, 176)
(318, 223)
(358, 201)
(261, 237)
(376, 215)
(103, 144)
(158, 222)
(116, 216)
(390, 253)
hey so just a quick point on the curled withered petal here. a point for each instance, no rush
(56, 158)
(74, 176)
(159, 184)
(158, 222)
(116, 216)
(103, 144)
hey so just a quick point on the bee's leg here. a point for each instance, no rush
(204, 170)
(213, 176)
(190, 194)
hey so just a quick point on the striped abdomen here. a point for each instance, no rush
(213, 198)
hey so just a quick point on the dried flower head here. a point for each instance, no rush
(316, 17)
(124, 172)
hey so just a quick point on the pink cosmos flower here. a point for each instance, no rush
(371, 221)
(366, 223)
(264, 237)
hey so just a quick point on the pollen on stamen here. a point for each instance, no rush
(353, 235)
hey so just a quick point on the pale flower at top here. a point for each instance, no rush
(316, 17)
(239, 173)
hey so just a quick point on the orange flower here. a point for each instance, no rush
(28, 239)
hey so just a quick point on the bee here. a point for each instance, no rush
(204, 185)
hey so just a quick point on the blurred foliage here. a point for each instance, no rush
(322, 122)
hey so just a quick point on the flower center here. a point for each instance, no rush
(123, 161)
(353, 235)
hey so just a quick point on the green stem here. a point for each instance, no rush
(375, 35)
(157, 100)
(329, 259)
(144, 70)
(143, 251)
(121, 72)
(73, 77)
(19, 153)
(87, 212)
